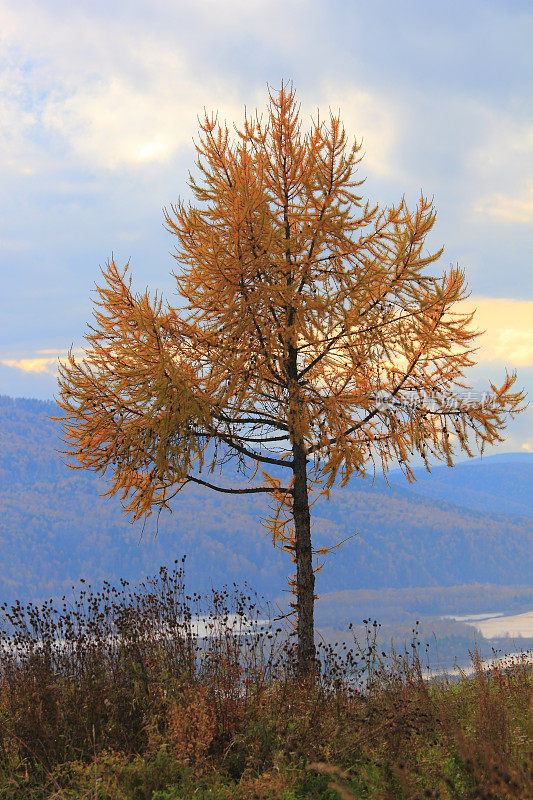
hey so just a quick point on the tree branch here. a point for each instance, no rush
(250, 453)
(254, 490)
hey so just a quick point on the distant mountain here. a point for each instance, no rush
(500, 484)
(55, 528)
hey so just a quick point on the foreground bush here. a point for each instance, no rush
(153, 694)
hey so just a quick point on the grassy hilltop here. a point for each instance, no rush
(120, 695)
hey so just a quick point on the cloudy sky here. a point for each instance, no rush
(98, 110)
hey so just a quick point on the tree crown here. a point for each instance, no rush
(309, 319)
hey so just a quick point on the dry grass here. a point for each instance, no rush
(115, 695)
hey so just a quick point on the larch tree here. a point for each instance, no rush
(312, 341)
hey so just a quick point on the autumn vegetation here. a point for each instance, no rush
(150, 693)
(312, 342)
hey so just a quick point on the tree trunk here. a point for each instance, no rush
(305, 577)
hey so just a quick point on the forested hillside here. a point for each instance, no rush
(501, 484)
(55, 528)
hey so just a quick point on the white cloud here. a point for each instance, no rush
(17, 122)
(42, 361)
(122, 94)
(12, 244)
(115, 97)
(514, 345)
(503, 166)
(508, 208)
(508, 326)
(117, 120)
(367, 117)
(48, 365)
